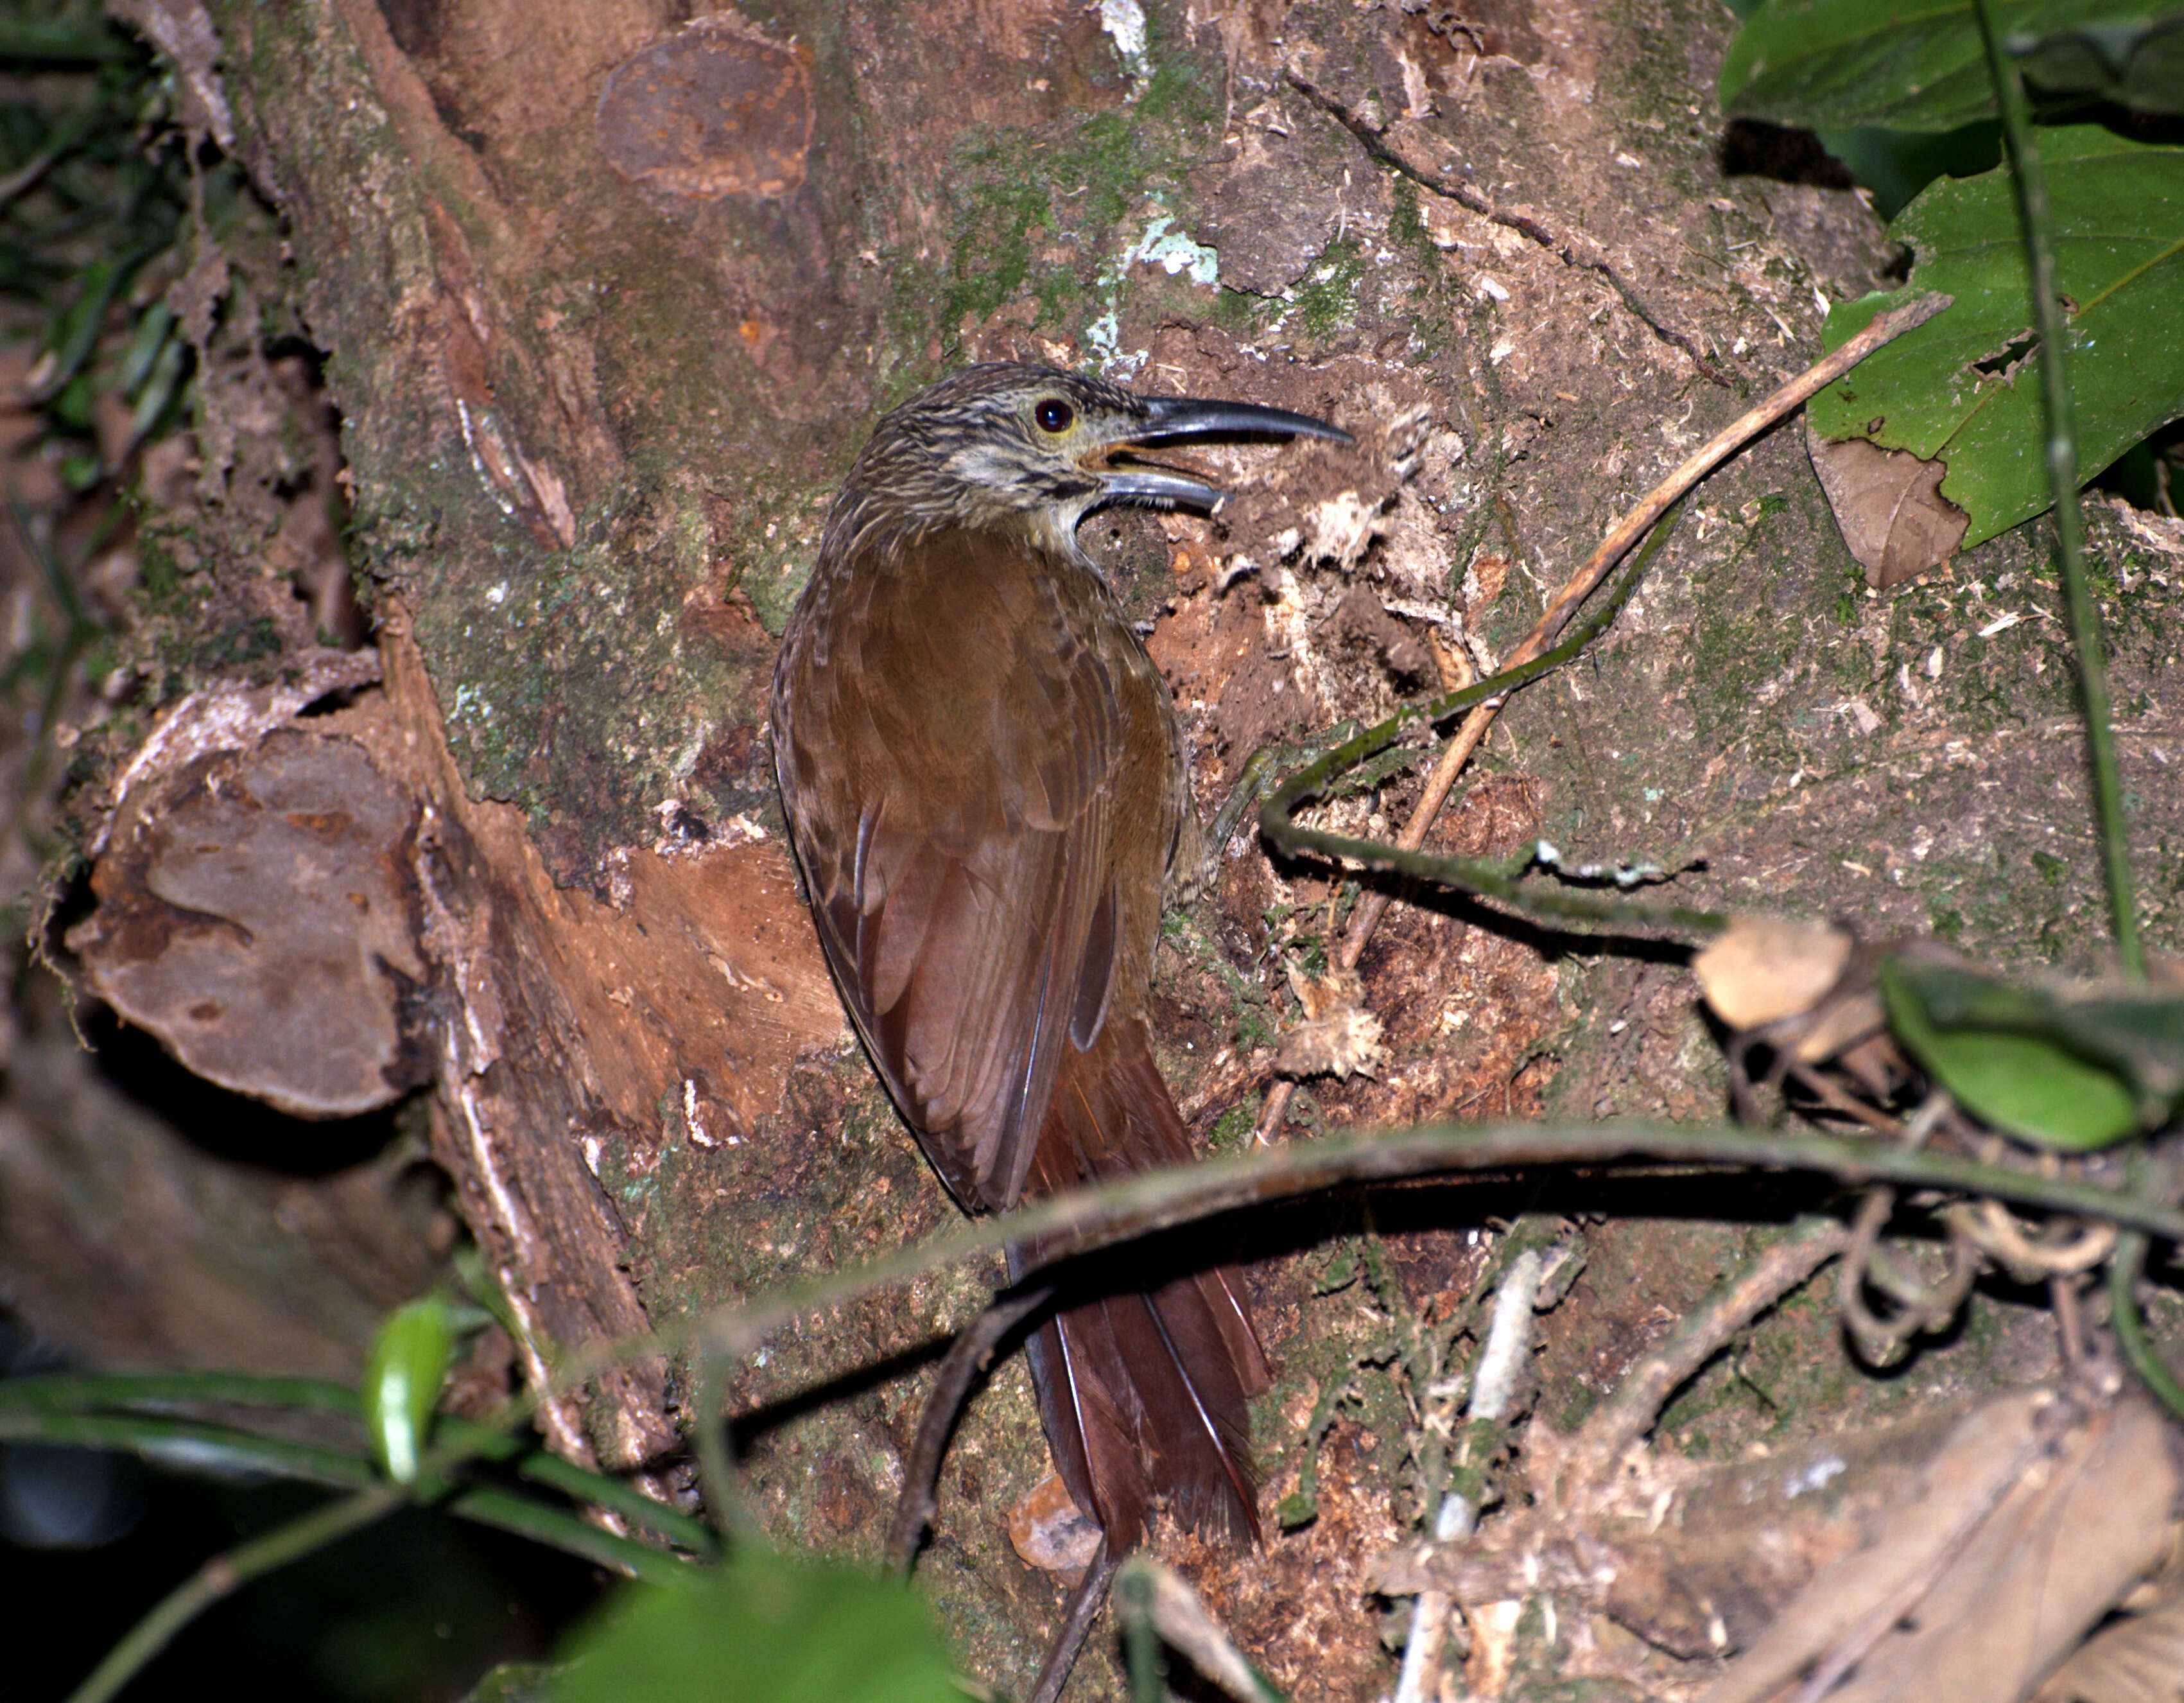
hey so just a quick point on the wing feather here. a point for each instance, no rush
(971, 924)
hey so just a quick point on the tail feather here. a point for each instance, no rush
(1143, 1395)
(1093, 1419)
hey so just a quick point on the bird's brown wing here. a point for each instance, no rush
(952, 782)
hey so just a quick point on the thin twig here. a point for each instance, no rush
(2125, 1270)
(2073, 1350)
(1143, 1205)
(223, 1575)
(1885, 328)
(1632, 1412)
(1829, 1095)
(1505, 881)
(154, 1392)
(1997, 1232)
(973, 1349)
(1563, 246)
(2062, 457)
(1183, 1623)
(215, 1446)
(1087, 1219)
(2154, 1177)
(1076, 1626)
(1877, 1339)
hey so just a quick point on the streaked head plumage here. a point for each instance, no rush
(1012, 446)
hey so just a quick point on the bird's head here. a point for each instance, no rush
(1035, 450)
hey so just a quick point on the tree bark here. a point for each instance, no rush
(601, 356)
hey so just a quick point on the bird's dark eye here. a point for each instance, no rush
(1053, 415)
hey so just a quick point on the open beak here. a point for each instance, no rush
(1182, 420)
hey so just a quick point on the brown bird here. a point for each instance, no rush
(986, 789)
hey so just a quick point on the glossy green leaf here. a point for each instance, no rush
(153, 327)
(401, 1378)
(2140, 1036)
(163, 379)
(2137, 63)
(1964, 388)
(763, 1628)
(1841, 62)
(1999, 1051)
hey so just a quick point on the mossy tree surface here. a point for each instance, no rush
(591, 425)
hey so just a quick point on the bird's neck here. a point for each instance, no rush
(883, 531)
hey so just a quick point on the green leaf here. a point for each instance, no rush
(153, 327)
(160, 383)
(2138, 64)
(1964, 389)
(74, 331)
(764, 1628)
(401, 1378)
(2002, 1052)
(2142, 1036)
(1843, 63)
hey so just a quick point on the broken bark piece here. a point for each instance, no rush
(1049, 1531)
(1981, 1545)
(257, 913)
(2021, 1534)
(126, 1244)
(714, 110)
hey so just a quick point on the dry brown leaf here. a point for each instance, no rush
(1888, 507)
(1343, 1044)
(1852, 1018)
(1338, 1038)
(1762, 969)
(1322, 995)
(2016, 1543)
(2136, 1660)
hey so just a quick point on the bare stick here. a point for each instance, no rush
(1624, 1420)
(974, 1350)
(1493, 1393)
(1061, 1654)
(1149, 1202)
(1182, 1621)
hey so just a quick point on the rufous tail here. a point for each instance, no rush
(1145, 1395)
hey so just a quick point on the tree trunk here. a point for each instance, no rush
(608, 303)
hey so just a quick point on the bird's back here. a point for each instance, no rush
(983, 786)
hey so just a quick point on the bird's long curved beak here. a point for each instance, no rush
(1184, 419)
